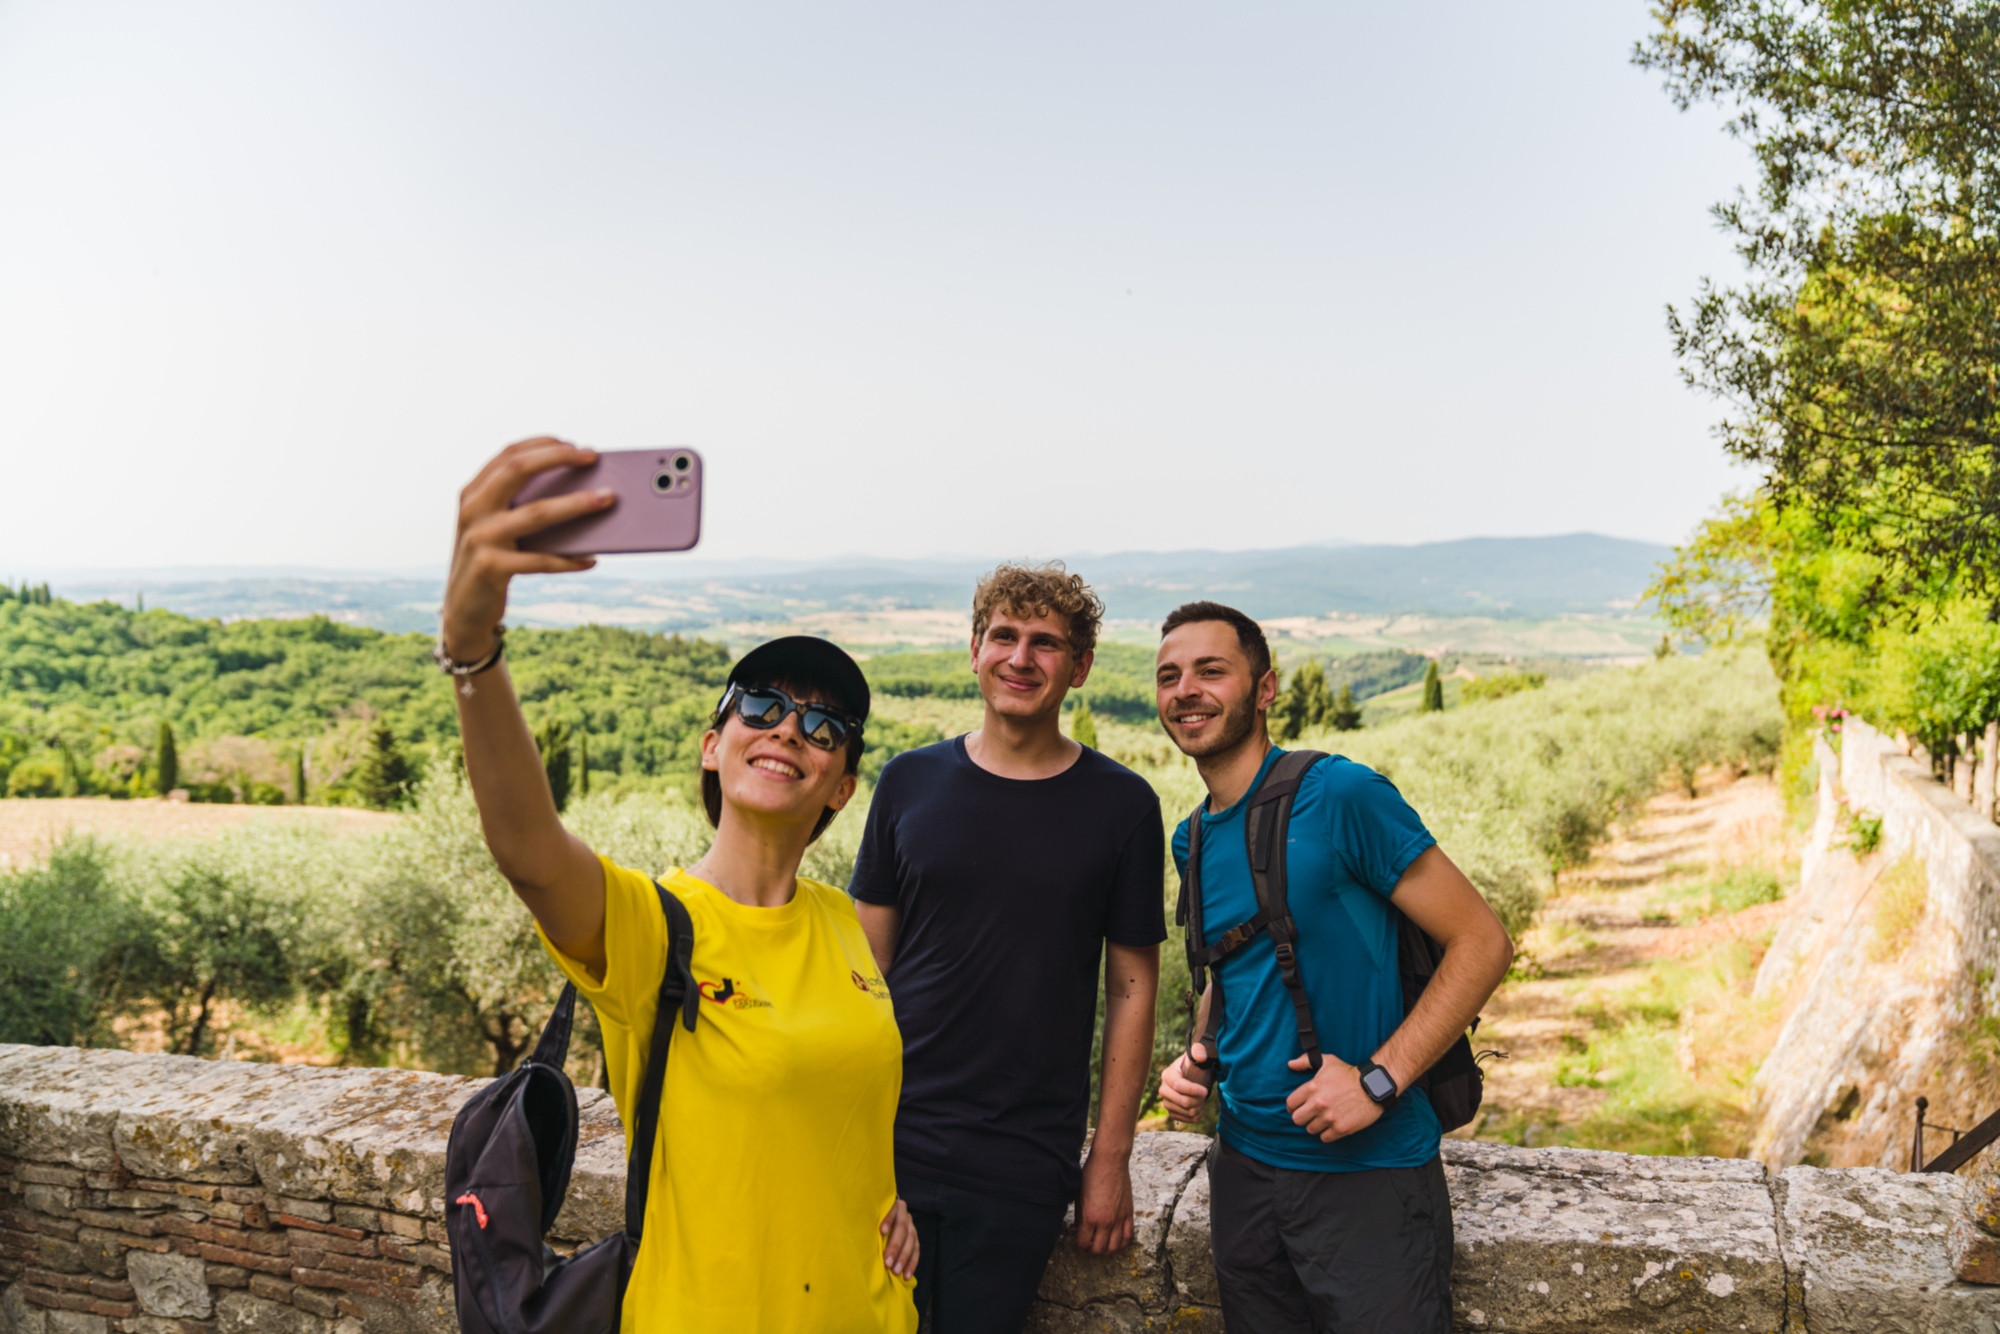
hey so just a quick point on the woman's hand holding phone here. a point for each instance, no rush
(552, 870)
(487, 554)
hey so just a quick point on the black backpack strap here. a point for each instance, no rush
(553, 1049)
(1267, 822)
(1200, 958)
(677, 993)
(1187, 912)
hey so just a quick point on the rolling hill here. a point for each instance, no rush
(1510, 578)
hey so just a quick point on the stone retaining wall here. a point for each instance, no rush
(1877, 1016)
(166, 1195)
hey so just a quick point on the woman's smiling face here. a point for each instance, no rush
(777, 774)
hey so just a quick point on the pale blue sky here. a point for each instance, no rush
(917, 278)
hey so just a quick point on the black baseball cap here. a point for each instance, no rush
(806, 661)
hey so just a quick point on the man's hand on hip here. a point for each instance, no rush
(1332, 1104)
(1104, 1204)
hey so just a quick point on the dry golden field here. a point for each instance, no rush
(28, 829)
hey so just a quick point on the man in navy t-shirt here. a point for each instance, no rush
(1328, 1209)
(996, 870)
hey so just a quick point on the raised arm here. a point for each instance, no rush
(552, 870)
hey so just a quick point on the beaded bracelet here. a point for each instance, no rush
(451, 666)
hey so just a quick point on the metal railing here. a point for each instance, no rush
(1965, 1144)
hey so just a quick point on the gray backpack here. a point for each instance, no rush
(507, 1166)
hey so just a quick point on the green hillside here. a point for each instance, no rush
(84, 689)
(405, 946)
(1516, 580)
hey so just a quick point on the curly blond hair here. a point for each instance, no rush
(1039, 590)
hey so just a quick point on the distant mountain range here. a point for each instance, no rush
(1506, 577)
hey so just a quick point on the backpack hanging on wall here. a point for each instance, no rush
(1454, 1084)
(507, 1167)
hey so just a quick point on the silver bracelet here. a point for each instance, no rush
(453, 667)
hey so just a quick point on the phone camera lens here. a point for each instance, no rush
(682, 463)
(663, 482)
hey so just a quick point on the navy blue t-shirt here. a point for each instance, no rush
(1008, 890)
(1352, 837)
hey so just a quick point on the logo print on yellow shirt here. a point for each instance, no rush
(874, 986)
(725, 992)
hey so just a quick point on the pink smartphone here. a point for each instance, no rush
(658, 509)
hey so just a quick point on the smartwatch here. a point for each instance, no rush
(1378, 1084)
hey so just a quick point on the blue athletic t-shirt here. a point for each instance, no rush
(1352, 837)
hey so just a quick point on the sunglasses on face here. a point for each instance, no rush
(765, 707)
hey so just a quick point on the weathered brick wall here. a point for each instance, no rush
(164, 1195)
(163, 1256)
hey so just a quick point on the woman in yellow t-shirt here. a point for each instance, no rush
(773, 1203)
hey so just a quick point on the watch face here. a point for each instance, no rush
(1378, 1084)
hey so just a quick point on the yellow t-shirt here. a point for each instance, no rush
(776, 1160)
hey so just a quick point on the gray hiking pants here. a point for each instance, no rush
(1330, 1252)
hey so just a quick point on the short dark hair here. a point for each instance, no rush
(1249, 634)
(711, 781)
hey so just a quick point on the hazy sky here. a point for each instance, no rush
(917, 278)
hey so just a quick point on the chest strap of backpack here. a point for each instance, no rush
(1267, 814)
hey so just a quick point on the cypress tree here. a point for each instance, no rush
(1318, 696)
(1346, 714)
(553, 742)
(299, 776)
(385, 776)
(1433, 690)
(583, 764)
(1285, 719)
(166, 761)
(1083, 725)
(1305, 703)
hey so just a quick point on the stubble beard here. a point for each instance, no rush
(1238, 722)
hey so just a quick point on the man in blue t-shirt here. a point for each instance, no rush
(1328, 1209)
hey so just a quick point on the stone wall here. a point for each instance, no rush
(166, 1195)
(1880, 999)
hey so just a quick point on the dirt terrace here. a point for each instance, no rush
(1612, 921)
